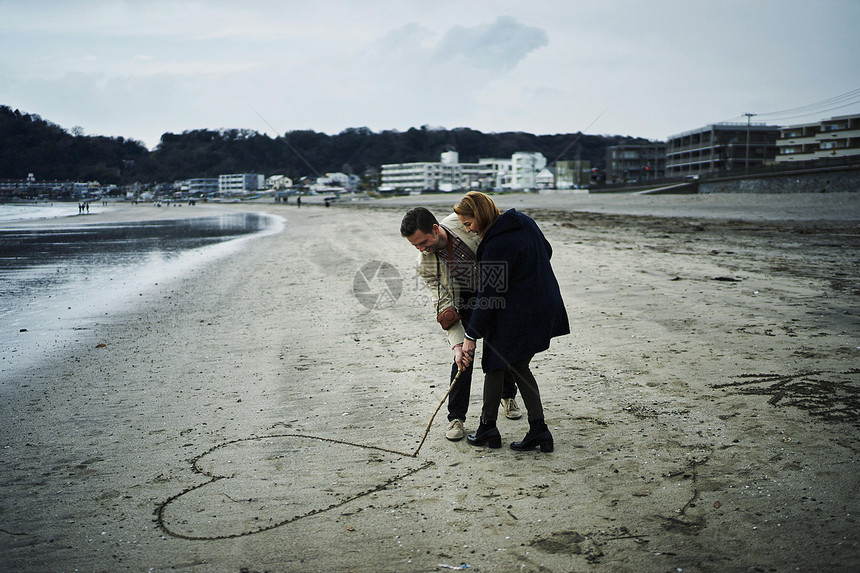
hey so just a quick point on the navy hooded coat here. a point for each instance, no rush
(519, 306)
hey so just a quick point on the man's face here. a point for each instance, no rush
(426, 242)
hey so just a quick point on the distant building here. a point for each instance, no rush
(498, 173)
(635, 162)
(202, 186)
(331, 182)
(418, 176)
(525, 167)
(446, 175)
(240, 183)
(830, 138)
(545, 179)
(279, 182)
(30, 188)
(519, 172)
(572, 174)
(719, 148)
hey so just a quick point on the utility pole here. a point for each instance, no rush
(747, 163)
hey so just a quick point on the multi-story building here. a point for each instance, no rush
(635, 162)
(418, 176)
(525, 167)
(499, 172)
(720, 147)
(446, 175)
(519, 172)
(240, 183)
(831, 138)
(202, 186)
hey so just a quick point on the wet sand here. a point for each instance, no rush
(258, 416)
(58, 272)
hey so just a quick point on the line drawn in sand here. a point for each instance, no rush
(264, 482)
(197, 508)
(831, 395)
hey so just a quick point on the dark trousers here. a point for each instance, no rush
(493, 390)
(458, 399)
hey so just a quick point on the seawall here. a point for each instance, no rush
(836, 180)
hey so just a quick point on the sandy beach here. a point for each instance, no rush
(261, 414)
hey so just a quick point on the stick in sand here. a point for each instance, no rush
(433, 417)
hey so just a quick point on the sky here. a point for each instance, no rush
(652, 69)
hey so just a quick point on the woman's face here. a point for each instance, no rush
(470, 224)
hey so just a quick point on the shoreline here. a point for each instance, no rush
(704, 411)
(838, 209)
(50, 298)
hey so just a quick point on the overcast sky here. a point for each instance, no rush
(648, 68)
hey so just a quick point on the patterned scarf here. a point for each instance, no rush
(461, 261)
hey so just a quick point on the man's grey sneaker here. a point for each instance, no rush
(512, 411)
(455, 430)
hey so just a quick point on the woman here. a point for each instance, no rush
(519, 309)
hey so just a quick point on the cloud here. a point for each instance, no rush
(424, 75)
(139, 69)
(404, 41)
(499, 46)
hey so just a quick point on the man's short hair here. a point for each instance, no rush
(417, 219)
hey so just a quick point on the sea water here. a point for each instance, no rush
(58, 283)
(24, 211)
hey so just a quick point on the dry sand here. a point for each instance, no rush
(256, 416)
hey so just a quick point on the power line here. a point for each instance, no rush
(853, 95)
(818, 109)
(816, 113)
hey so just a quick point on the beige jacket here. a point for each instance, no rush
(443, 290)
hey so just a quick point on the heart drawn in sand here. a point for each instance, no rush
(258, 484)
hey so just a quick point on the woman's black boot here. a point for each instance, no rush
(487, 435)
(537, 436)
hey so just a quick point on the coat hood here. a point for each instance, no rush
(508, 221)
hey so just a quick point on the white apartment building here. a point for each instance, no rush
(525, 167)
(519, 172)
(446, 175)
(500, 171)
(240, 183)
(835, 137)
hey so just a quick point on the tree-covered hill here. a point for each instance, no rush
(30, 144)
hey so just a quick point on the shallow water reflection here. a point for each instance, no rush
(22, 248)
(60, 279)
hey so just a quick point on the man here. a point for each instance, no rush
(448, 265)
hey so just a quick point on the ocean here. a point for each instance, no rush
(57, 282)
(35, 211)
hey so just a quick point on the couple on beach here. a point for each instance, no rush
(490, 277)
